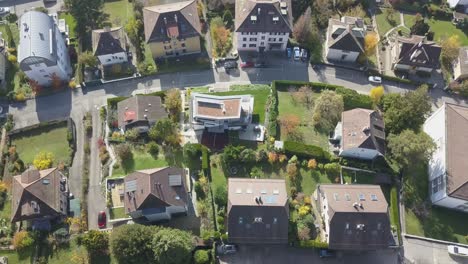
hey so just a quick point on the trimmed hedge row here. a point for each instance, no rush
(205, 158)
(313, 244)
(353, 99)
(273, 112)
(306, 151)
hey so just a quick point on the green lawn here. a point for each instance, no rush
(119, 11)
(413, 225)
(260, 99)
(382, 23)
(6, 210)
(441, 28)
(287, 106)
(49, 139)
(116, 213)
(71, 22)
(141, 161)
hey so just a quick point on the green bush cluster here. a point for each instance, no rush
(306, 151)
(273, 111)
(205, 159)
(201, 257)
(313, 244)
(353, 99)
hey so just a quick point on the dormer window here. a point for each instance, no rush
(253, 19)
(275, 19)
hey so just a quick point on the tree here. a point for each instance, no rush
(409, 147)
(312, 164)
(153, 149)
(408, 111)
(88, 59)
(376, 94)
(302, 28)
(322, 11)
(370, 43)
(43, 160)
(327, 110)
(291, 169)
(288, 123)
(390, 15)
(303, 233)
(356, 11)
(124, 151)
(221, 37)
(96, 242)
(165, 131)
(247, 156)
(134, 28)
(305, 96)
(132, 134)
(173, 103)
(22, 240)
(450, 49)
(272, 157)
(201, 257)
(231, 155)
(227, 18)
(132, 243)
(87, 13)
(172, 246)
(420, 27)
(220, 196)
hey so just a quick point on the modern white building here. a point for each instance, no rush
(263, 25)
(109, 45)
(448, 167)
(345, 39)
(42, 53)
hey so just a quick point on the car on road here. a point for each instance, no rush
(325, 253)
(4, 10)
(297, 53)
(102, 219)
(246, 64)
(304, 54)
(458, 251)
(375, 79)
(289, 52)
(225, 249)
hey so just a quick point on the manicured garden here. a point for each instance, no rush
(117, 213)
(382, 22)
(119, 11)
(140, 160)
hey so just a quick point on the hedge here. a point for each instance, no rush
(273, 111)
(306, 151)
(353, 99)
(283, 85)
(205, 159)
(394, 211)
(313, 244)
(112, 102)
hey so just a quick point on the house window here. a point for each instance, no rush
(275, 220)
(253, 39)
(244, 45)
(263, 37)
(169, 53)
(253, 33)
(244, 39)
(252, 45)
(241, 220)
(280, 39)
(262, 43)
(41, 70)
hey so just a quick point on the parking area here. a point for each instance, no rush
(284, 254)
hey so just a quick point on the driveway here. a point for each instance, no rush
(289, 255)
(425, 252)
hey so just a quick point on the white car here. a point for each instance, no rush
(297, 53)
(458, 251)
(375, 79)
(4, 10)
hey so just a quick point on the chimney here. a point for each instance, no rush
(360, 205)
(30, 175)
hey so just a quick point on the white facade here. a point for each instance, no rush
(114, 58)
(359, 153)
(454, 3)
(342, 55)
(253, 41)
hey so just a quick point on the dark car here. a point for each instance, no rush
(230, 65)
(325, 253)
(246, 64)
(226, 249)
(102, 219)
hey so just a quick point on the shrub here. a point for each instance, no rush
(123, 151)
(43, 160)
(12, 58)
(72, 84)
(220, 197)
(153, 149)
(22, 240)
(201, 257)
(132, 134)
(306, 151)
(332, 169)
(312, 164)
(353, 99)
(199, 191)
(313, 244)
(205, 159)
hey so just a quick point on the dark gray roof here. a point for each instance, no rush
(264, 11)
(108, 41)
(132, 111)
(346, 34)
(416, 51)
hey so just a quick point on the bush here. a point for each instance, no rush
(153, 149)
(353, 99)
(273, 111)
(22, 240)
(201, 257)
(220, 197)
(12, 58)
(124, 151)
(313, 244)
(332, 169)
(205, 159)
(72, 84)
(306, 151)
(199, 191)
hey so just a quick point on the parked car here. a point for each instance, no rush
(297, 53)
(326, 253)
(4, 10)
(102, 219)
(246, 64)
(458, 251)
(375, 79)
(230, 65)
(225, 249)
(304, 55)
(289, 52)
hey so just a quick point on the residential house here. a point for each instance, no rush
(109, 45)
(156, 194)
(361, 134)
(140, 112)
(42, 53)
(345, 39)
(355, 216)
(415, 54)
(448, 180)
(258, 211)
(460, 66)
(220, 113)
(39, 197)
(172, 29)
(263, 25)
(459, 5)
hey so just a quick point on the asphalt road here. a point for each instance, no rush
(19, 7)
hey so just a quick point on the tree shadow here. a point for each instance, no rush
(128, 165)
(100, 259)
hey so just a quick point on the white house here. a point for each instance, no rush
(42, 53)
(455, 3)
(415, 54)
(345, 39)
(109, 45)
(448, 167)
(220, 113)
(263, 25)
(361, 134)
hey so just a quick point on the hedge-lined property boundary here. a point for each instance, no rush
(306, 151)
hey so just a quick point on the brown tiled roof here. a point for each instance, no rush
(158, 19)
(457, 150)
(40, 187)
(365, 226)
(363, 128)
(258, 211)
(135, 108)
(146, 189)
(226, 108)
(108, 41)
(264, 23)
(416, 51)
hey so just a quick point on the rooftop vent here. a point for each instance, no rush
(238, 190)
(362, 197)
(149, 104)
(253, 18)
(373, 197)
(263, 191)
(258, 220)
(355, 205)
(248, 191)
(276, 192)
